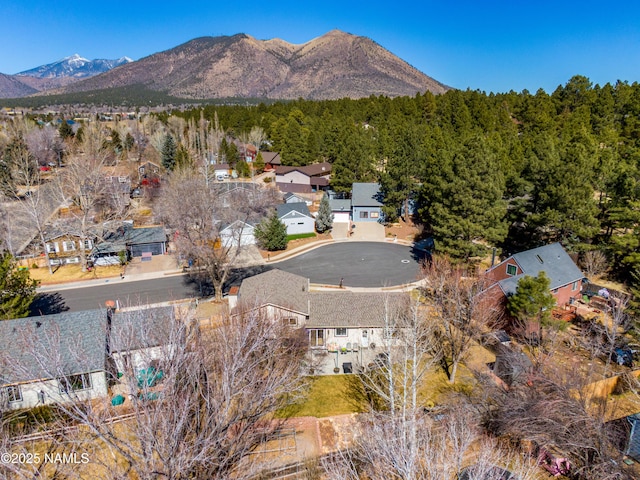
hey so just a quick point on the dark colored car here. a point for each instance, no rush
(485, 472)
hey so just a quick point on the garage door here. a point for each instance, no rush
(153, 248)
(341, 217)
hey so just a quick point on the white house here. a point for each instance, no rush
(334, 320)
(69, 356)
(296, 217)
(238, 234)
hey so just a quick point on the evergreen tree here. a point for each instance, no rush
(271, 233)
(168, 152)
(324, 219)
(17, 289)
(462, 200)
(65, 130)
(532, 301)
(258, 164)
(243, 169)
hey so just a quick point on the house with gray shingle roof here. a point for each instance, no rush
(296, 217)
(332, 319)
(366, 202)
(566, 278)
(65, 357)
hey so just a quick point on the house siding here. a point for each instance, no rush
(566, 293)
(297, 223)
(373, 214)
(31, 392)
(499, 272)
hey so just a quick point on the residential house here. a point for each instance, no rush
(271, 160)
(334, 320)
(64, 247)
(566, 278)
(135, 241)
(341, 209)
(149, 175)
(66, 357)
(366, 202)
(293, 198)
(307, 179)
(280, 295)
(296, 217)
(238, 234)
(118, 190)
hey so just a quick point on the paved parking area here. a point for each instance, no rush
(359, 264)
(158, 263)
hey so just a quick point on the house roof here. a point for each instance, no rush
(366, 195)
(271, 157)
(276, 287)
(633, 447)
(75, 339)
(552, 259)
(286, 208)
(140, 235)
(352, 309)
(127, 235)
(249, 226)
(45, 347)
(138, 328)
(289, 195)
(340, 205)
(313, 170)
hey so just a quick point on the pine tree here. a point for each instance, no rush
(258, 165)
(168, 152)
(532, 301)
(324, 219)
(271, 233)
(17, 289)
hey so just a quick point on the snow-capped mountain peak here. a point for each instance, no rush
(74, 66)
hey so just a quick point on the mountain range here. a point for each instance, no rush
(335, 65)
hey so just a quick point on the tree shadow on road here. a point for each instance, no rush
(47, 304)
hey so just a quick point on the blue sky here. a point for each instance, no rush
(494, 46)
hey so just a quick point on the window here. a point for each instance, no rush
(81, 381)
(388, 333)
(364, 214)
(375, 215)
(52, 247)
(88, 244)
(341, 332)
(68, 246)
(73, 260)
(512, 270)
(300, 223)
(13, 393)
(574, 286)
(293, 321)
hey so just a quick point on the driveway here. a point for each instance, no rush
(340, 231)
(158, 263)
(359, 264)
(367, 231)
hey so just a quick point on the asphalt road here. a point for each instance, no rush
(359, 264)
(127, 293)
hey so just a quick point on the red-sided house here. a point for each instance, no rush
(565, 276)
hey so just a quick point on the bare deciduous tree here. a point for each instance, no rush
(217, 392)
(199, 213)
(85, 187)
(594, 263)
(453, 295)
